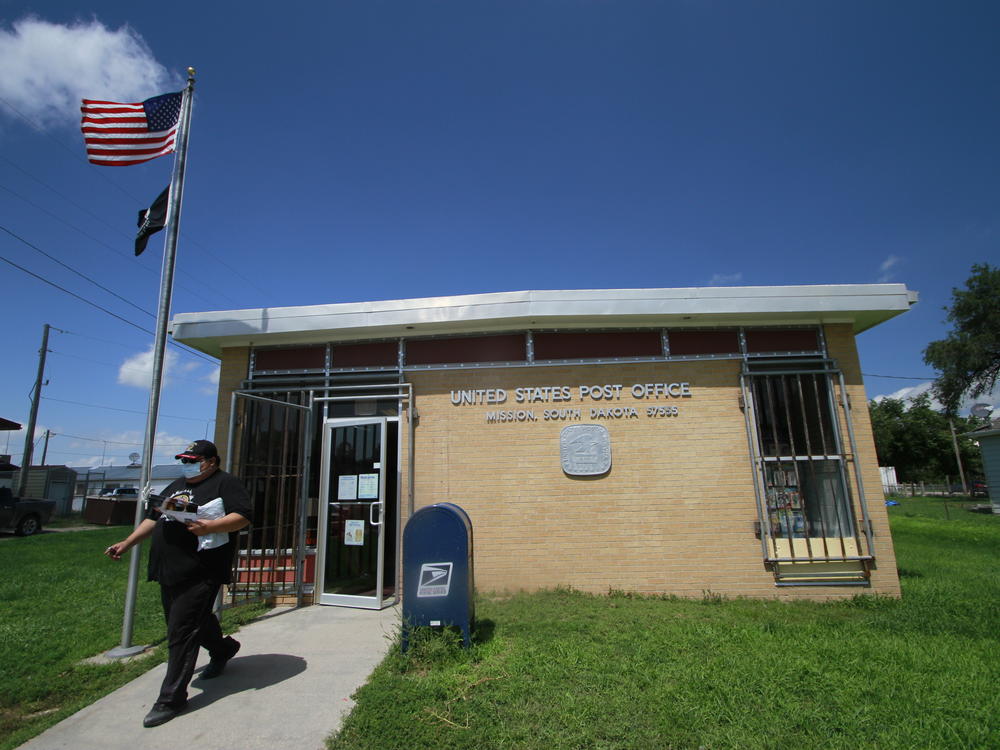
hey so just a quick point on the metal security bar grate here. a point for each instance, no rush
(807, 516)
(272, 453)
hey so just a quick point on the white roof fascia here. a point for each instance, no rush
(863, 305)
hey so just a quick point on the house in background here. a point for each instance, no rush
(49, 482)
(988, 438)
(5, 464)
(69, 485)
(92, 480)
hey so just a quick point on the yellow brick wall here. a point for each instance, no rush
(234, 366)
(675, 513)
(841, 347)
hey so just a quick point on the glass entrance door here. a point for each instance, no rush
(358, 512)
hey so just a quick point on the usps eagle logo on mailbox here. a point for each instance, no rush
(435, 579)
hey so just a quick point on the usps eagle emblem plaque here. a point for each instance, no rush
(585, 450)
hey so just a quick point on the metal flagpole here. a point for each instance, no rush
(159, 346)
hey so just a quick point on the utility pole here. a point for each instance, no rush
(45, 450)
(29, 441)
(958, 458)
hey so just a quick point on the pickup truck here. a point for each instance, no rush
(25, 515)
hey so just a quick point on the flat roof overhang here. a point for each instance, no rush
(860, 305)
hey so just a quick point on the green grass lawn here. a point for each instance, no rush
(61, 601)
(561, 669)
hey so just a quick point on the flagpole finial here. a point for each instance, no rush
(190, 74)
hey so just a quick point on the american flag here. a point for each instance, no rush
(118, 135)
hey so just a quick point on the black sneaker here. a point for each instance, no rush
(160, 713)
(218, 663)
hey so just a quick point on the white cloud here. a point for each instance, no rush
(137, 370)
(725, 279)
(212, 378)
(120, 444)
(885, 269)
(166, 445)
(48, 68)
(911, 393)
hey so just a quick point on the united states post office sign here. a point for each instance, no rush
(564, 403)
(585, 450)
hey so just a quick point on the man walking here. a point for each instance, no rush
(191, 559)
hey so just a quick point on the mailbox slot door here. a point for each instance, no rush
(357, 512)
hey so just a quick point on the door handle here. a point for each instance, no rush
(371, 514)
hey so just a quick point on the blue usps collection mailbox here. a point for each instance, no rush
(437, 570)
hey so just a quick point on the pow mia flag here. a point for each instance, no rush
(152, 220)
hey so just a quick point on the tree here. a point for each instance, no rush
(916, 439)
(969, 358)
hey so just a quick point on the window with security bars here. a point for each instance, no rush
(802, 462)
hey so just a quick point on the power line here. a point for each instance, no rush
(57, 452)
(95, 305)
(74, 294)
(73, 270)
(74, 153)
(98, 440)
(118, 367)
(897, 377)
(115, 408)
(176, 344)
(100, 340)
(126, 256)
(78, 158)
(103, 244)
(120, 442)
(73, 203)
(160, 447)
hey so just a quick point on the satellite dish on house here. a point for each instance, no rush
(983, 411)
(133, 458)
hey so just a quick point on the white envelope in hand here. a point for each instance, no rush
(209, 512)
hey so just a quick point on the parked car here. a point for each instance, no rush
(25, 515)
(979, 489)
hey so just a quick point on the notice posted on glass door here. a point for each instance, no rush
(347, 487)
(354, 533)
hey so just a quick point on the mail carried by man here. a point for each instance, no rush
(178, 507)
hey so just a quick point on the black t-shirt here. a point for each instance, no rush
(173, 556)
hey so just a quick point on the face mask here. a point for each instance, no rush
(190, 471)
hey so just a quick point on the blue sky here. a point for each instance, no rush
(351, 151)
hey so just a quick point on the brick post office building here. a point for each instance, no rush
(674, 441)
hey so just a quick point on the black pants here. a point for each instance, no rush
(190, 624)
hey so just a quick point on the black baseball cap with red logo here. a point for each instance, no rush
(199, 449)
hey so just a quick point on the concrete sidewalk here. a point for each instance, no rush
(289, 686)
